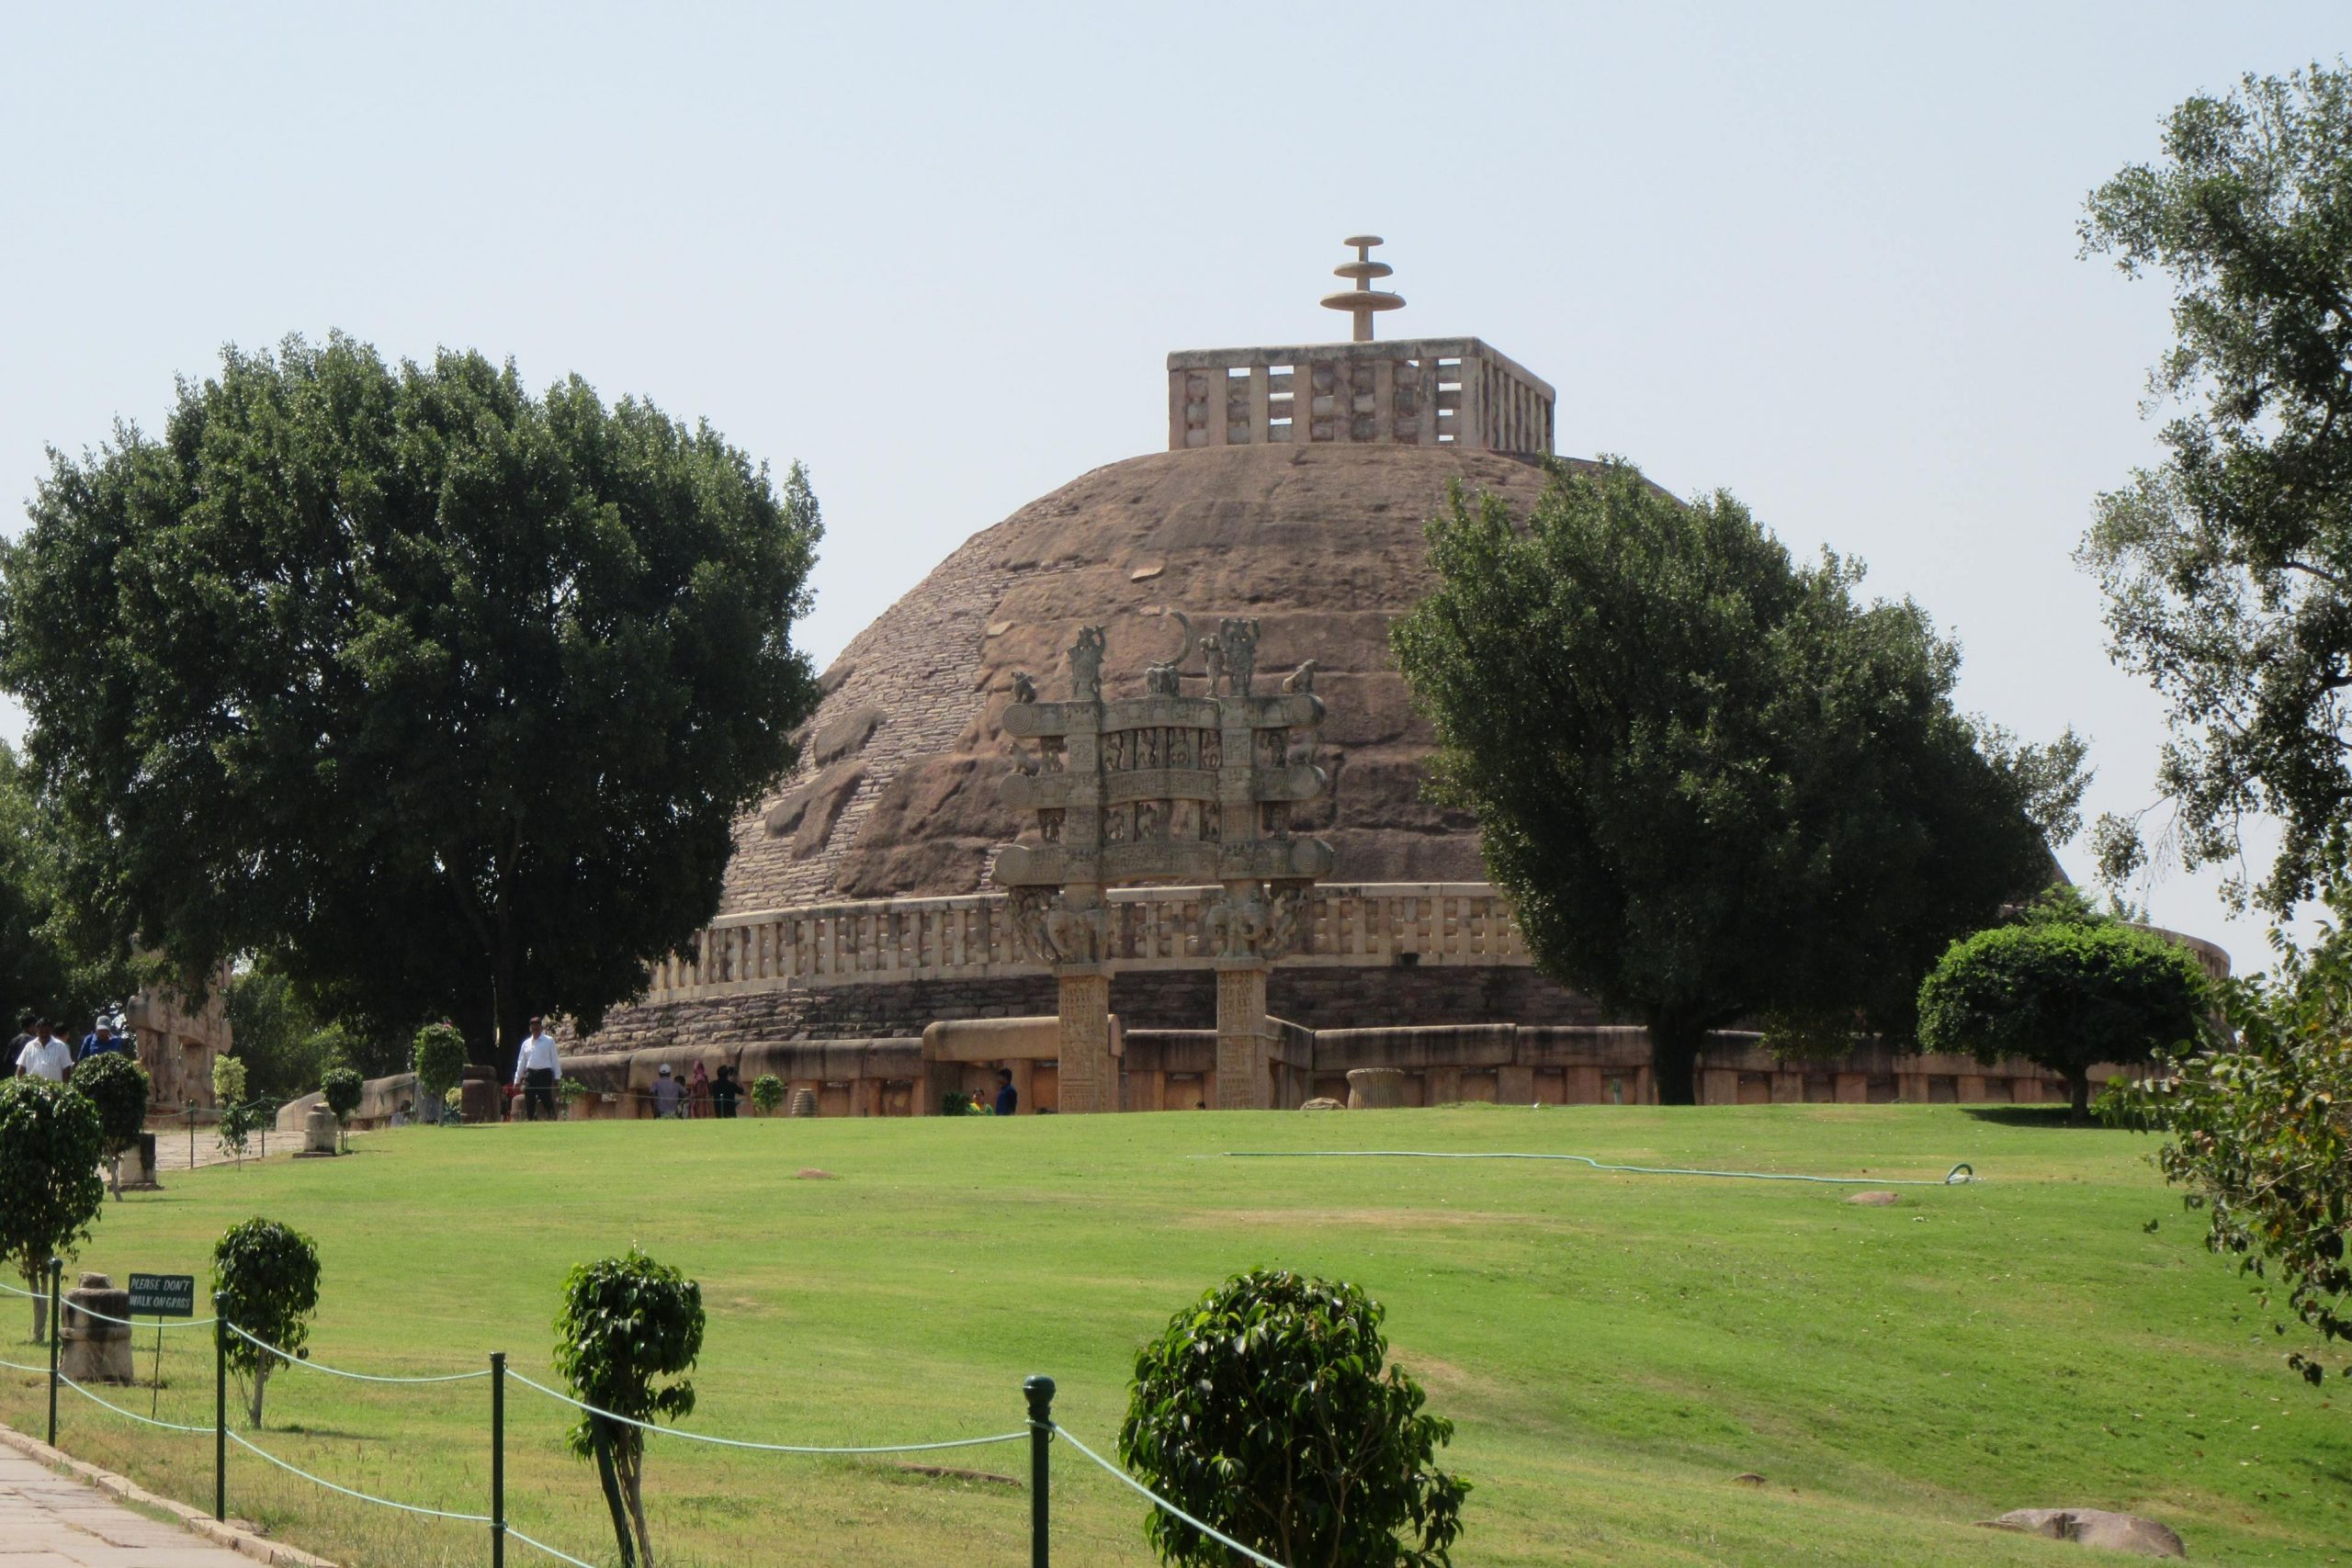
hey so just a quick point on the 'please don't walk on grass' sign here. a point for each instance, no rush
(163, 1296)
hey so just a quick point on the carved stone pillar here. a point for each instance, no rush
(1244, 1039)
(1090, 1075)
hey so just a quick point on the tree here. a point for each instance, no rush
(51, 1143)
(2261, 1132)
(266, 1281)
(438, 1056)
(117, 1088)
(625, 1322)
(42, 970)
(238, 1116)
(286, 1044)
(440, 695)
(1267, 1410)
(767, 1093)
(1715, 784)
(339, 1088)
(2066, 988)
(2228, 567)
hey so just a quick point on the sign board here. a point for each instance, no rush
(163, 1296)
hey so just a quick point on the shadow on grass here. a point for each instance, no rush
(2056, 1117)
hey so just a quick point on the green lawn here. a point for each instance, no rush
(1614, 1348)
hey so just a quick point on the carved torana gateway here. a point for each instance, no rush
(1159, 789)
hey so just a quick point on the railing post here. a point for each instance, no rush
(220, 1416)
(56, 1332)
(1040, 1390)
(497, 1458)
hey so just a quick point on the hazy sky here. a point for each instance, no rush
(1822, 256)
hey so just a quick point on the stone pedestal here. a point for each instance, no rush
(317, 1130)
(478, 1101)
(1089, 1073)
(139, 1166)
(1244, 1043)
(91, 1348)
(1376, 1089)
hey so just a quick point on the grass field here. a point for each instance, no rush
(1614, 1348)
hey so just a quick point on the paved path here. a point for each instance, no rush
(48, 1520)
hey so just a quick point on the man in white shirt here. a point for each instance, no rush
(45, 1056)
(537, 1069)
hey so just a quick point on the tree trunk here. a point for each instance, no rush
(114, 1175)
(40, 1311)
(2078, 1096)
(1675, 1043)
(610, 1479)
(633, 1481)
(261, 1381)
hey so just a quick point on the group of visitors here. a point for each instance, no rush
(698, 1096)
(38, 1052)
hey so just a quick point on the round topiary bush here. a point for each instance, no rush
(438, 1054)
(339, 1088)
(767, 1093)
(51, 1143)
(265, 1281)
(116, 1086)
(1267, 1410)
(625, 1322)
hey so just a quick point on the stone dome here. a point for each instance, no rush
(896, 793)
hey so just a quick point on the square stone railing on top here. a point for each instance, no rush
(1407, 393)
(886, 941)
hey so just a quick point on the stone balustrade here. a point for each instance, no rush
(885, 941)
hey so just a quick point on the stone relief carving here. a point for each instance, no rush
(1232, 922)
(1049, 825)
(1077, 935)
(1022, 761)
(1114, 751)
(1301, 679)
(1180, 754)
(1166, 679)
(1214, 657)
(1053, 753)
(1238, 640)
(1024, 687)
(1086, 665)
(1212, 748)
(1285, 918)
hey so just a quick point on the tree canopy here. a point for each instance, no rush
(2260, 1125)
(1269, 1411)
(442, 696)
(2228, 568)
(42, 971)
(51, 1143)
(1715, 783)
(265, 1281)
(2067, 988)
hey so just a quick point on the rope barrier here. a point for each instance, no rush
(1163, 1504)
(133, 1415)
(362, 1497)
(513, 1534)
(20, 1367)
(1960, 1175)
(768, 1447)
(294, 1360)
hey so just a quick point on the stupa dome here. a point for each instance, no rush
(896, 791)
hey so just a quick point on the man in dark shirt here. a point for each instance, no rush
(1007, 1098)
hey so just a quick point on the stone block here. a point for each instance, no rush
(1376, 1089)
(92, 1348)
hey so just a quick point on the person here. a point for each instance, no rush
(665, 1092)
(698, 1094)
(537, 1068)
(726, 1092)
(24, 1038)
(45, 1056)
(101, 1039)
(1007, 1098)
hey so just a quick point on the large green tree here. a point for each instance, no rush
(2228, 565)
(439, 695)
(1715, 783)
(41, 969)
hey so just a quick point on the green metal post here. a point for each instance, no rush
(497, 1458)
(219, 1416)
(56, 1270)
(1040, 1390)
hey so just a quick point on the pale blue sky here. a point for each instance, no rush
(1821, 254)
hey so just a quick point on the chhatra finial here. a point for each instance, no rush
(1364, 299)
